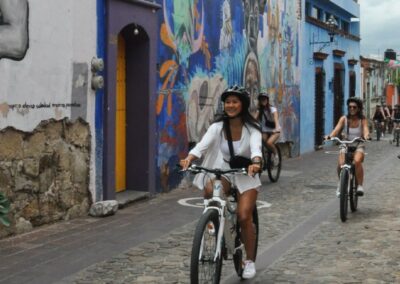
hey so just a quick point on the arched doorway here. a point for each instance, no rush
(129, 129)
(131, 112)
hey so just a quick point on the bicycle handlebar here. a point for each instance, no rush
(198, 169)
(357, 139)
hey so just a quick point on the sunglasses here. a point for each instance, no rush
(353, 107)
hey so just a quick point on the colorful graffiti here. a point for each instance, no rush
(13, 29)
(207, 45)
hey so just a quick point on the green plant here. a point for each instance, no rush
(4, 209)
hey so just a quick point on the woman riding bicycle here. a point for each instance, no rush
(267, 115)
(351, 126)
(246, 139)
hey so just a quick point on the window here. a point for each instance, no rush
(316, 13)
(345, 26)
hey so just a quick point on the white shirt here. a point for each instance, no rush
(270, 116)
(210, 147)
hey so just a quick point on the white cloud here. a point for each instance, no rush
(379, 26)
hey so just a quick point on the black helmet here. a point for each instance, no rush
(356, 100)
(263, 95)
(240, 92)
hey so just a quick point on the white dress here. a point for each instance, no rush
(209, 147)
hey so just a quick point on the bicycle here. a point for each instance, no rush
(348, 180)
(270, 163)
(396, 131)
(378, 128)
(218, 233)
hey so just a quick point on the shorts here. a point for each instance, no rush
(242, 182)
(359, 148)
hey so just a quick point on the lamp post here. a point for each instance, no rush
(331, 25)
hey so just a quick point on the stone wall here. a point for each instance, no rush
(45, 173)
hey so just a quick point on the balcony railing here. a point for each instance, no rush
(323, 25)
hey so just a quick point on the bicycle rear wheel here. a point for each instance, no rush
(238, 256)
(272, 165)
(203, 268)
(353, 193)
(344, 183)
(378, 132)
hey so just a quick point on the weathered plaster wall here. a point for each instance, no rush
(46, 48)
(207, 45)
(45, 173)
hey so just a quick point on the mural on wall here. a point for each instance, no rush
(13, 29)
(207, 45)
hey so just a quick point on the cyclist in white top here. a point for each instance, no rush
(246, 138)
(351, 126)
(267, 115)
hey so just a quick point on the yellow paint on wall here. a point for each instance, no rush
(120, 119)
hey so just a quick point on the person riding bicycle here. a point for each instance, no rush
(396, 116)
(379, 118)
(267, 115)
(214, 147)
(388, 117)
(351, 126)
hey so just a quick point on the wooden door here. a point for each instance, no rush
(120, 119)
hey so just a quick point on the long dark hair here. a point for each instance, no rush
(262, 108)
(360, 108)
(245, 116)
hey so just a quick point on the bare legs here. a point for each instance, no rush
(247, 201)
(357, 160)
(270, 139)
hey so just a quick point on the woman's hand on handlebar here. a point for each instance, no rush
(254, 169)
(185, 164)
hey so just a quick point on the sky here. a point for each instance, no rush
(379, 26)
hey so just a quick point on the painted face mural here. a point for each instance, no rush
(207, 45)
(251, 14)
(13, 29)
(251, 79)
(226, 30)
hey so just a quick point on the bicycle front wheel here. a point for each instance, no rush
(344, 183)
(203, 267)
(353, 194)
(273, 163)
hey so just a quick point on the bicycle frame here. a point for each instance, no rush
(348, 180)
(220, 199)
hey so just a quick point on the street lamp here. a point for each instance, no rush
(331, 24)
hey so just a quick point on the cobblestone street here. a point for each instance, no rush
(302, 239)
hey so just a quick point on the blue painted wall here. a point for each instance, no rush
(310, 32)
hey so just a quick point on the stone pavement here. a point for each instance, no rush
(324, 250)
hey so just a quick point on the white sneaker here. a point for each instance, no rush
(360, 190)
(338, 190)
(276, 160)
(211, 229)
(249, 269)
